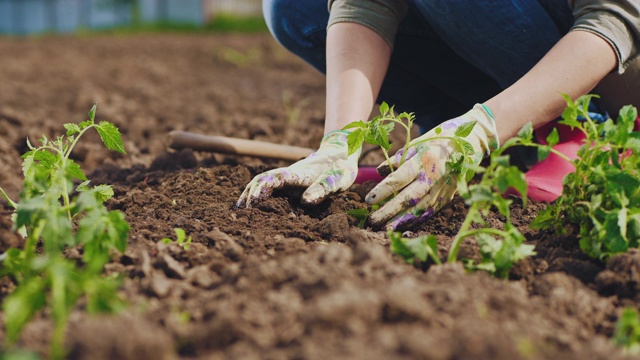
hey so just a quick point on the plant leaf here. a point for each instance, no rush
(74, 171)
(92, 113)
(355, 139)
(465, 129)
(72, 129)
(21, 305)
(110, 136)
(554, 137)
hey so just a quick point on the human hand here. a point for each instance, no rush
(328, 170)
(424, 182)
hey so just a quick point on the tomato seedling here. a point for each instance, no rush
(50, 210)
(627, 331)
(602, 196)
(376, 132)
(500, 249)
(181, 239)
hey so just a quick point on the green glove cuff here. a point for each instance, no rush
(486, 108)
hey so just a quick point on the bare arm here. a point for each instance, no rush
(574, 66)
(357, 61)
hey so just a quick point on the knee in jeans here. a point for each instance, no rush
(279, 20)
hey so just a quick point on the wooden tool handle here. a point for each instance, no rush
(227, 145)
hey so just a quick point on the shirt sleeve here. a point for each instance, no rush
(615, 21)
(381, 16)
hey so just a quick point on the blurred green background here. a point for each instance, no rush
(34, 17)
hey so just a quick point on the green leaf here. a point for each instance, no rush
(72, 129)
(465, 129)
(181, 235)
(29, 145)
(103, 192)
(74, 171)
(432, 248)
(355, 139)
(622, 223)
(83, 186)
(92, 113)
(21, 305)
(85, 124)
(627, 331)
(110, 136)
(544, 219)
(398, 247)
(28, 210)
(416, 248)
(480, 192)
(358, 213)
(633, 142)
(467, 148)
(9, 201)
(118, 230)
(384, 108)
(102, 293)
(554, 137)
(543, 152)
(56, 232)
(526, 133)
(615, 242)
(501, 161)
(628, 114)
(362, 214)
(356, 124)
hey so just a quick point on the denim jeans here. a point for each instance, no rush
(448, 54)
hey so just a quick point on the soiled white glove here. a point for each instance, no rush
(423, 181)
(326, 171)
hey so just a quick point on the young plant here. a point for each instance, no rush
(51, 211)
(291, 108)
(500, 249)
(376, 132)
(602, 197)
(362, 214)
(181, 239)
(420, 248)
(627, 331)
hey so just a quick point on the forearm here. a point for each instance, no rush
(574, 66)
(357, 61)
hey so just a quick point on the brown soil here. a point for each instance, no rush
(279, 280)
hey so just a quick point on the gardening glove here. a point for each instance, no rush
(424, 183)
(328, 170)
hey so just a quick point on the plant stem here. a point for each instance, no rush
(455, 245)
(484, 230)
(9, 201)
(65, 157)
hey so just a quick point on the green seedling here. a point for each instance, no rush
(293, 110)
(181, 239)
(52, 212)
(627, 331)
(240, 59)
(362, 214)
(420, 248)
(376, 132)
(500, 249)
(602, 196)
